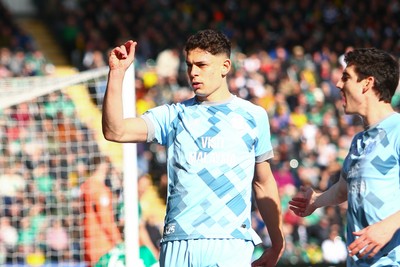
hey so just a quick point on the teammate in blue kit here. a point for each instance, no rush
(370, 178)
(218, 148)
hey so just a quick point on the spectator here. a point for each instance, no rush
(26, 236)
(167, 64)
(8, 238)
(319, 231)
(334, 249)
(57, 241)
(283, 174)
(11, 184)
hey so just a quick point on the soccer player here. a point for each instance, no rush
(369, 179)
(100, 229)
(218, 149)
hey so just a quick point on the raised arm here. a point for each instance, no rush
(268, 203)
(115, 127)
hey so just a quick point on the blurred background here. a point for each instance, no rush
(287, 57)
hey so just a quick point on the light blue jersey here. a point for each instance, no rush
(212, 149)
(373, 178)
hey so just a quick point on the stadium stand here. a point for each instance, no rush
(287, 59)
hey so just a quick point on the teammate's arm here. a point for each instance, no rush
(306, 201)
(268, 203)
(115, 127)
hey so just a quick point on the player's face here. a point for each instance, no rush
(206, 72)
(352, 91)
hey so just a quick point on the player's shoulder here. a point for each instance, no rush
(396, 118)
(186, 103)
(248, 105)
(181, 105)
(392, 123)
(170, 108)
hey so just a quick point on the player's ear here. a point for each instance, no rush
(226, 67)
(368, 83)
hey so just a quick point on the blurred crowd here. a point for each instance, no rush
(287, 58)
(85, 26)
(19, 56)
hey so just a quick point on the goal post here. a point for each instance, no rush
(51, 132)
(130, 185)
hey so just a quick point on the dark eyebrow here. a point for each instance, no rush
(196, 63)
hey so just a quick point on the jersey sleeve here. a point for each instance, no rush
(263, 145)
(158, 122)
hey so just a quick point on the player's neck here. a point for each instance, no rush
(378, 114)
(220, 95)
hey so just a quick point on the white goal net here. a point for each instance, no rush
(51, 144)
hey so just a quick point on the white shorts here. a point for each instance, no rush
(206, 253)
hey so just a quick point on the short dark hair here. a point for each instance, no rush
(379, 64)
(212, 41)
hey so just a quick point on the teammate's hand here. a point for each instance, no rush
(370, 240)
(121, 57)
(302, 203)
